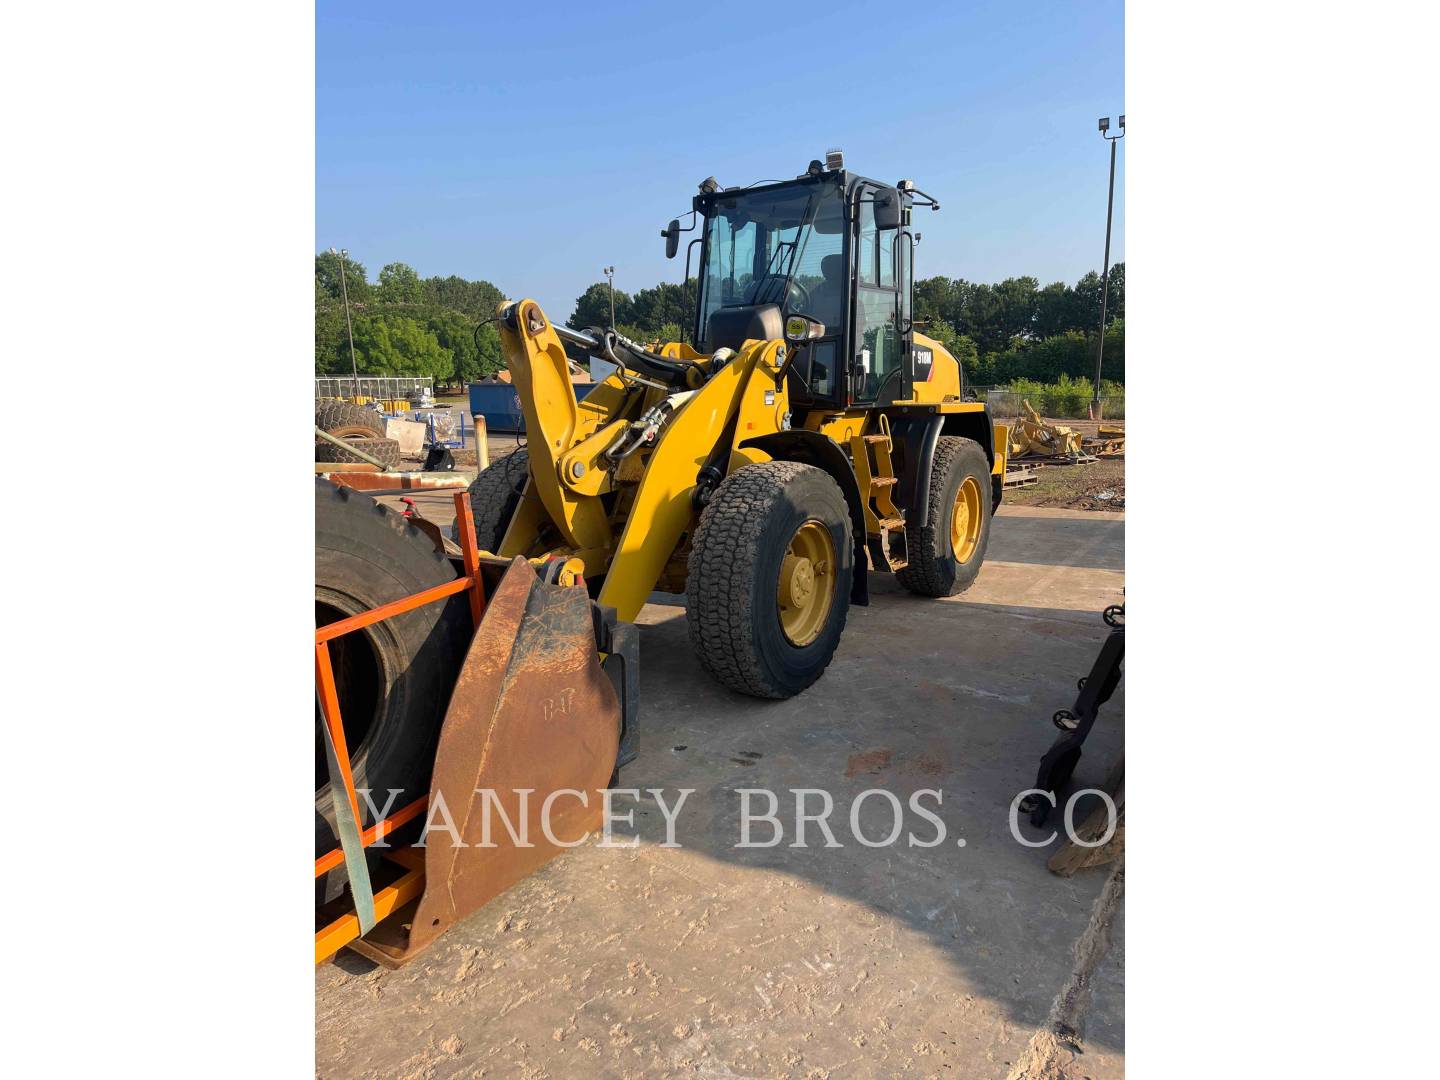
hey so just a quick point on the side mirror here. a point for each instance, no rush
(801, 328)
(671, 233)
(887, 208)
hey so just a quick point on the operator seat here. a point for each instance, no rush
(827, 301)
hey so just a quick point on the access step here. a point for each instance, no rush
(883, 481)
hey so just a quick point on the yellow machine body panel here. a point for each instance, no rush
(570, 479)
(662, 511)
(944, 381)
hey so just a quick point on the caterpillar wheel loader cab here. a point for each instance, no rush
(810, 434)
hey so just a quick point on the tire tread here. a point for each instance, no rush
(386, 450)
(722, 565)
(926, 573)
(343, 418)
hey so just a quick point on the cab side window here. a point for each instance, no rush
(877, 328)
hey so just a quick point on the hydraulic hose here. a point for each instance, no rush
(619, 350)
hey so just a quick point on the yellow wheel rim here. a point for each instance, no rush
(965, 521)
(807, 583)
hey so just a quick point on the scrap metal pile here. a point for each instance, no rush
(1032, 436)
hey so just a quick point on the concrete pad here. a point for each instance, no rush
(786, 961)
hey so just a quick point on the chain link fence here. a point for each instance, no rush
(375, 388)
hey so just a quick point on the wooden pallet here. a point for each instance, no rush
(1021, 478)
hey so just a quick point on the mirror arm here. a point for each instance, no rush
(794, 354)
(930, 200)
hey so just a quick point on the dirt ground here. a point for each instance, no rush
(717, 961)
(1096, 485)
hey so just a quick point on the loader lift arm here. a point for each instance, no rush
(734, 397)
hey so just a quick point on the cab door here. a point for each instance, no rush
(878, 361)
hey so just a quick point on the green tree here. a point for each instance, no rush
(332, 350)
(592, 307)
(440, 326)
(938, 300)
(650, 335)
(964, 350)
(666, 303)
(491, 357)
(327, 278)
(1015, 300)
(1045, 361)
(456, 334)
(1055, 310)
(477, 299)
(1115, 310)
(474, 346)
(1087, 297)
(1071, 354)
(393, 345)
(398, 284)
(1114, 369)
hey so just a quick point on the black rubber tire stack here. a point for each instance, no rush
(386, 451)
(730, 596)
(934, 570)
(346, 421)
(365, 556)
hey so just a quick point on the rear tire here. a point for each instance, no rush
(346, 421)
(393, 678)
(385, 450)
(935, 568)
(494, 494)
(733, 599)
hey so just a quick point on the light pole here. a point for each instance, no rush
(349, 331)
(1105, 272)
(610, 276)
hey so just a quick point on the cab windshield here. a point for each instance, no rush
(779, 246)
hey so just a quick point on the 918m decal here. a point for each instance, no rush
(923, 361)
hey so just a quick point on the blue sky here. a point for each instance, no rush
(533, 144)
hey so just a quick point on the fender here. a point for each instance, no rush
(916, 432)
(813, 448)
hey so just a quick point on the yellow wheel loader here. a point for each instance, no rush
(809, 434)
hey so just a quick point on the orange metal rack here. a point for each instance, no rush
(341, 931)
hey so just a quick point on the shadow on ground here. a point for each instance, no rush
(1096, 540)
(816, 961)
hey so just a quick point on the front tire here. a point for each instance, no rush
(494, 494)
(769, 578)
(945, 556)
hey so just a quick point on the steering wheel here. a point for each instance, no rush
(757, 288)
